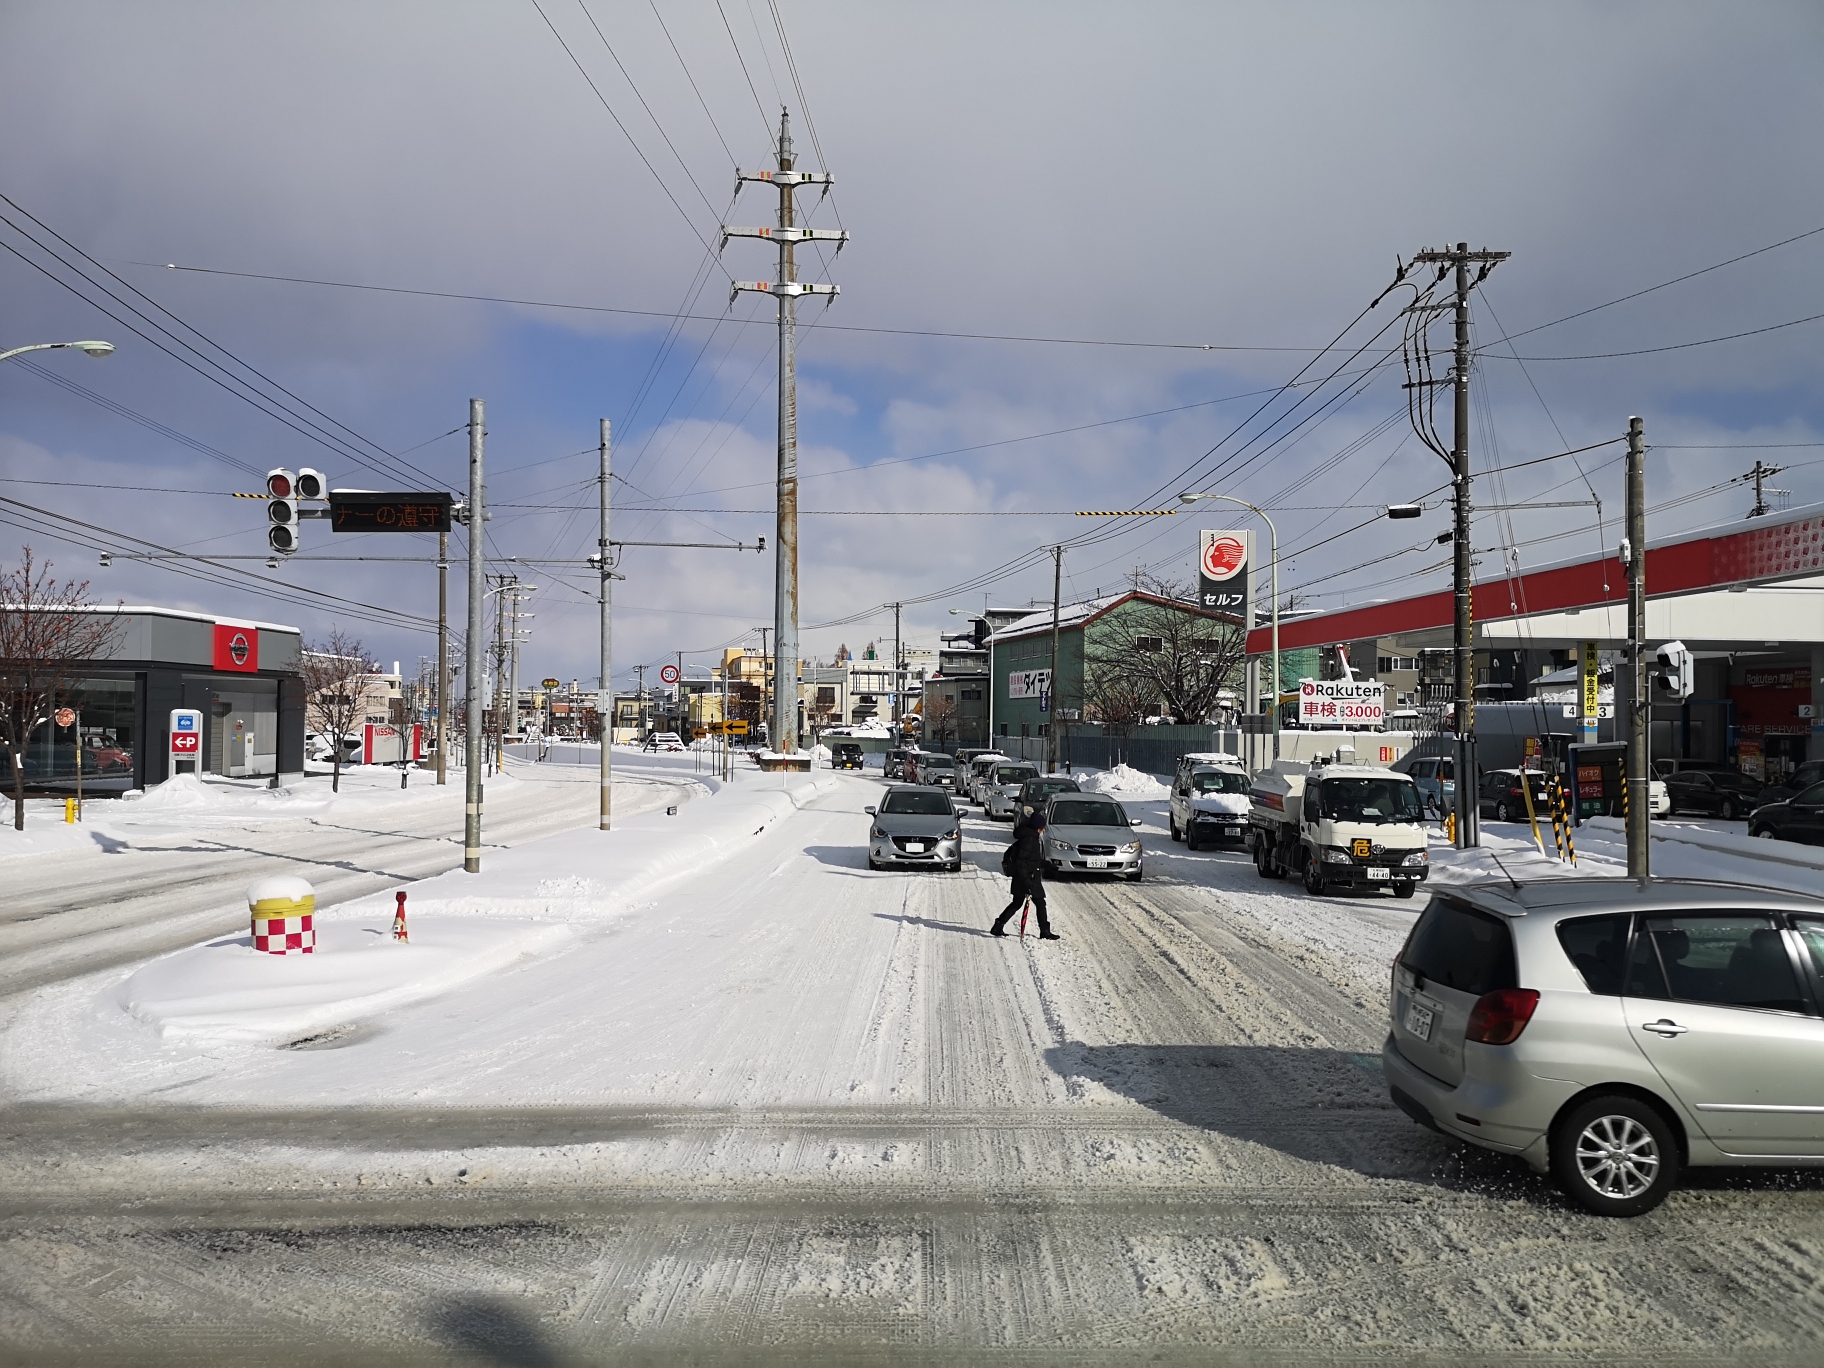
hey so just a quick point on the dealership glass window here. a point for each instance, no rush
(105, 713)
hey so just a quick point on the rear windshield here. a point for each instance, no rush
(912, 803)
(1013, 774)
(1215, 781)
(1050, 786)
(936, 762)
(1087, 814)
(1461, 948)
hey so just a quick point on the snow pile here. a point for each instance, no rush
(183, 793)
(226, 990)
(820, 752)
(1124, 781)
(45, 833)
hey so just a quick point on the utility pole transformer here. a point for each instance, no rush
(476, 646)
(786, 289)
(1463, 636)
(1640, 711)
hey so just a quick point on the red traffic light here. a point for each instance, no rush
(278, 483)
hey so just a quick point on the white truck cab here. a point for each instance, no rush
(1339, 826)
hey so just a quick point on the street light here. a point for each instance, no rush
(1273, 532)
(94, 349)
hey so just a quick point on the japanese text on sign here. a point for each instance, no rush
(1341, 703)
(362, 512)
(1028, 683)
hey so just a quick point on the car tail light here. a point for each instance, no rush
(1500, 1016)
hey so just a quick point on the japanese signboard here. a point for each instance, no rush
(187, 733)
(1030, 684)
(1353, 703)
(1592, 690)
(352, 511)
(1225, 566)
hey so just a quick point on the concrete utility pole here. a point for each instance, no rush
(641, 689)
(512, 720)
(1640, 711)
(443, 656)
(1051, 723)
(1760, 475)
(476, 515)
(605, 709)
(1463, 636)
(899, 676)
(786, 289)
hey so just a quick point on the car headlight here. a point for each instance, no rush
(1418, 857)
(1062, 845)
(1131, 848)
(879, 834)
(1333, 856)
(956, 835)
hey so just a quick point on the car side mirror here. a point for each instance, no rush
(1135, 822)
(870, 811)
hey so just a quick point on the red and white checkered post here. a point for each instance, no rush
(283, 911)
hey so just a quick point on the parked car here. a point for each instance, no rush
(1038, 791)
(845, 755)
(1725, 793)
(1087, 833)
(1612, 1033)
(1195, 760)
(1502, 797)
(1001, 797)
(1799, 819)
(934, 768)
(1436, 779)
(663, 741)
(894, 766)
(965, 755)
(981, 772)
(1802, 778)
(915, 825)
(1209, 804)
(320, 748)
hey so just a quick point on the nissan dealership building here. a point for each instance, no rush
(243, 677)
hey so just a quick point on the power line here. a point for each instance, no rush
(771, 140)
(1675, 346)
(664, 28)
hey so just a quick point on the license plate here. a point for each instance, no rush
(1097, 862)
(915, 847)
(1231, 832)
(1377, 872)
(1418, 1021)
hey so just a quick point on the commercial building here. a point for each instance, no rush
(243, 677)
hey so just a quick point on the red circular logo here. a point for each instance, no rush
(238, 649)
(1224, 556)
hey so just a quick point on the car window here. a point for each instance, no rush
(1811, 936)
(1087, 814)
(911, 803)
(1730, 961)
(936, 762)
(1217, 781)
(1461, 948)
(1598, 946)
(1811, 797)
(1013, 774)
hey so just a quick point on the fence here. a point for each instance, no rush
(1152, 749)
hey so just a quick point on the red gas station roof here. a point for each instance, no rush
(1753, 551)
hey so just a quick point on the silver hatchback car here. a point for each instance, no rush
(915, 825)
(1611, 1035)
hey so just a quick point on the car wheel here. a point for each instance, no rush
(1314, 879)
(1171, 825)
(1403, 888)
(955, 866)
(872, 865)
(1261, 866)
(1134, 877)
(1503, 813)
(1765, 833)
(1727, 810)
(1615, 1156)
(1189, 844)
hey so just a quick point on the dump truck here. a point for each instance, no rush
(1338, 826)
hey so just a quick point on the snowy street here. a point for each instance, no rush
(760, 1104)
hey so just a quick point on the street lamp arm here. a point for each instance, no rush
(95, 349)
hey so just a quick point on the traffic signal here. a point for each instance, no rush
(282, 509)
(309, 484)
(1674, 673)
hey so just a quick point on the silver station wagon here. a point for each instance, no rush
(1612, 1035)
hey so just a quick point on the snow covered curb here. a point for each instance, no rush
(224, 991)
(1724, 843)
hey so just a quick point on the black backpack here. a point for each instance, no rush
(1007, 858)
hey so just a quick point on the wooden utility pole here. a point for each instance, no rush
(1640, 709)
(786, 288)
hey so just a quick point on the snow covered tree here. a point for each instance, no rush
(335, 691)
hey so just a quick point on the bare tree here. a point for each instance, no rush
(941, 715)
(50, 631)
(335, 691)
(1170, 657)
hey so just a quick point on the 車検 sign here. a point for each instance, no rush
(1355, 703)
(1225, 572)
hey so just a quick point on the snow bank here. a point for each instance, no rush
(45, 833)
(1124, 781)
(225, 990)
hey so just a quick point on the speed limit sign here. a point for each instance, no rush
(669, 674)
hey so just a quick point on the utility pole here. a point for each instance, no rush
(786, 289)
(512, 728)
(1760, 475)
(1463, 635)
(443, 656)
(1640, 711)
(641, 671)
(899, 676)
(606, 708)
(476, 515)
(683, 714)
(1051, 693)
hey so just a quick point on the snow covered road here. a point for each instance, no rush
(789, 1108)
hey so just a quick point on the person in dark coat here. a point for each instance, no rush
(1028, 876)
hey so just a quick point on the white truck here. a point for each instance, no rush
(1338, 826)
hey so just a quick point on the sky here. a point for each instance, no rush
(1190, 200)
